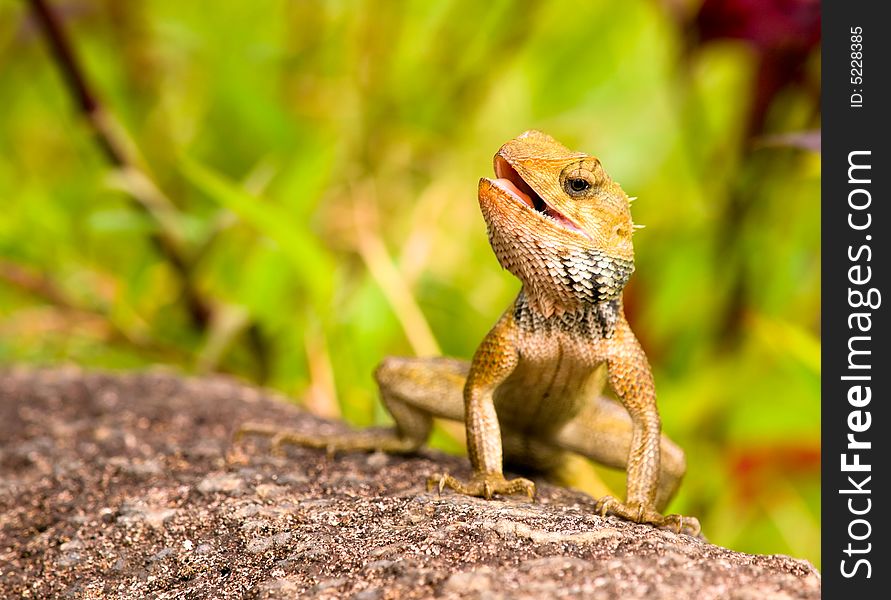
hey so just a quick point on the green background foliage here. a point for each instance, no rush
(317, 162)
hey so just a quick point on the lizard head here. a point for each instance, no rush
(558, 222)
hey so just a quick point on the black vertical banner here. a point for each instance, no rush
(856, 262)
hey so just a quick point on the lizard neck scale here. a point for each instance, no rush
(589, 321)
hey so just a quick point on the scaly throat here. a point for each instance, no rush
(509, 181)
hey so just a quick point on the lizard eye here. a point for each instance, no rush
(576, 186)
(578, 180)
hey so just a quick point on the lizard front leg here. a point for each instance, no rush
(493, 361)
(603, 432)
(632, 380)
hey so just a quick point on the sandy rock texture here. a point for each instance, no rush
(130, 486)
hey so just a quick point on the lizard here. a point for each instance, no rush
(534, 389)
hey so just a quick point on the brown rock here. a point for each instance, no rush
(129, 486)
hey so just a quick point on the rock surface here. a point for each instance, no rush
(129, 486)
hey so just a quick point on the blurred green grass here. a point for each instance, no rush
(321, 160)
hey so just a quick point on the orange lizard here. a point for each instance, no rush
(533, 391)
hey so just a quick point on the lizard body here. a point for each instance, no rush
(533, 391)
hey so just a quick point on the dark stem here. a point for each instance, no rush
(115, 150)
(75, 80)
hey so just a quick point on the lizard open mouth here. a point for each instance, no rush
(509, 181)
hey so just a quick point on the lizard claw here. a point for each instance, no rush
(638, 512)
(605, 504)
(483, 485)
(437, 481)
(682, 524)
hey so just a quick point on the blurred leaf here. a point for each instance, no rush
(310, 260)
(121, 220)
(789, 340)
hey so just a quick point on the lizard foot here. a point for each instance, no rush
(367, 440)
(482, 485)
(639, 513)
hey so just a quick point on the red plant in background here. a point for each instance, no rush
(770, 25)
(784, 33)
(754, 468)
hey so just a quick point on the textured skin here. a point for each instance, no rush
(533, 390)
